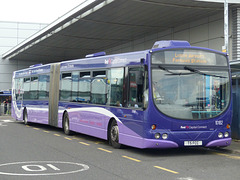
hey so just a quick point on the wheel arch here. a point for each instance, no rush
(24, 111)
(109, 126)
(65, 111)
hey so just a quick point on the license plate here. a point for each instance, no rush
(192, 143)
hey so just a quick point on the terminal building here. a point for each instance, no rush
(117, 26)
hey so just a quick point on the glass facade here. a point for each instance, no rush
(13, 33)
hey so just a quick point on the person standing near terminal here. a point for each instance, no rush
(5, 106)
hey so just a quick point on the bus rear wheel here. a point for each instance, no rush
(114, 135)
(66, 128)
(25, 117)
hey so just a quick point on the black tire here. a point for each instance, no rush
(25, 117)
(114, 135)
(66, 128)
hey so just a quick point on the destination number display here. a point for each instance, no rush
(189, 57)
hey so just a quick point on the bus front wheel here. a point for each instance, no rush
(66, 128)
(114, 135)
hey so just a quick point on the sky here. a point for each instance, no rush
(40, 11)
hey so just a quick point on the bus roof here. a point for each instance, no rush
(100, 60)
(116, 60)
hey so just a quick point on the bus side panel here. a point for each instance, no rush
(94, 121)
(90, 120)
(15, 112)
(37, 111)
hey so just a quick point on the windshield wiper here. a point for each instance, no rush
(172, 73)
(199, 72)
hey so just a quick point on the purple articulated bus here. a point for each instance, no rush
(173, 95)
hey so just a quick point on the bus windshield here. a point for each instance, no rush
(184, 91)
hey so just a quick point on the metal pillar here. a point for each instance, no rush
(236, 34)
(226, 26)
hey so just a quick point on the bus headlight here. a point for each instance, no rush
(157, 135)
(165, 136)
(226, 134)
(220, 135)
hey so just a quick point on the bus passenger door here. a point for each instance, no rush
(135, 87)
(54, 95)
(134, 110)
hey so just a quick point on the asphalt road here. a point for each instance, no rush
(42, 152)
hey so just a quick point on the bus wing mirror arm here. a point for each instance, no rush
(143, 61)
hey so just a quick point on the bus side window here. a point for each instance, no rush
(99, 87)
(84, 87)
(18, 89)
(33, 93)
(136, 85)
(44, 86)
(75, 79)
(66, 87)
(26, 88)
(115, 87)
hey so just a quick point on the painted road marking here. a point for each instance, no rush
(228, 156)
(53, 167)
(2, 124)
(38, 168)
(76, 138)
(168, 170)
(36, 128)
(105, 150)
(4, 121)
(98, 142)
(7, 121)
(133, 159)
(185, 178)
(57, 135)
(46, 131)
(84, 143)
(41, 168)
(68, 138)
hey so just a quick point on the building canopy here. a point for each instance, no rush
(97, 25)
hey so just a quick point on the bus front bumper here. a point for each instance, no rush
(220, 143)
(161, 144)
(152, 143)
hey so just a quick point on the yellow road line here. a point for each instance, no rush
(46, 131)
(168, 170)
(98, 142)
(68, 138)
(228, 156)
(105, 150)
(136, 160)
(28, 126)
(84, 143)
(57, 135)
(36, 128)
(76, 138)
